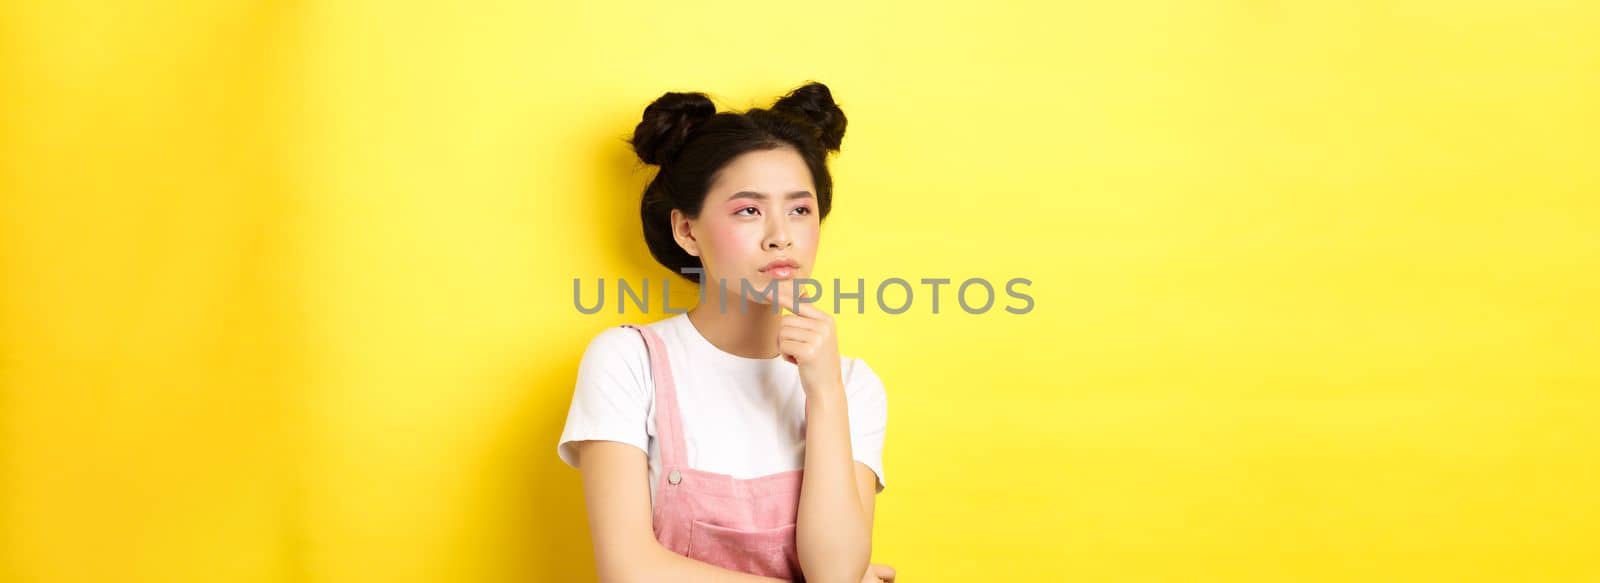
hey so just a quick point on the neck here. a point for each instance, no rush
(750, 333)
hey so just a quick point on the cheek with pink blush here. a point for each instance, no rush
(730, 245)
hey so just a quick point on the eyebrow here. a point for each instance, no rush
(763, 196)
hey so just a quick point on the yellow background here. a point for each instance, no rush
(287, 285)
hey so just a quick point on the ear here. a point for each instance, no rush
(683, 232)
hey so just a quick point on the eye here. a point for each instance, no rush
(804, 210)
(748, 208)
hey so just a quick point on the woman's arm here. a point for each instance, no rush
(616, 491)
(834, 529)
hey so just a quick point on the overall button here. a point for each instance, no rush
(674, 477)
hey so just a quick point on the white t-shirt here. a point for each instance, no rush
(741, 416)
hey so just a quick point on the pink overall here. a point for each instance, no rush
(745, 525)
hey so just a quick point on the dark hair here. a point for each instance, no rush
(684, 135)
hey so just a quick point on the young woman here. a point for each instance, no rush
(693, 432)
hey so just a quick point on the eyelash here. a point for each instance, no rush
(751, 208)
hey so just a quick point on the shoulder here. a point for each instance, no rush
(621, 339)
(624, 341)
(615, 341)
(616, 357)
(615, 345)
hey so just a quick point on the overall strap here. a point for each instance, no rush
(669, 424)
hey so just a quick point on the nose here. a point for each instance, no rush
(778, 237)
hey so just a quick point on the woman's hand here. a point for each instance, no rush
(877, 573)
(806, 339)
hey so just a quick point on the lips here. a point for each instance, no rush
(780, 265)
(781, 268)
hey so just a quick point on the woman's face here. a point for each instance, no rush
(762, 208)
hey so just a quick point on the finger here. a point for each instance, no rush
(789, 290)
(884, 572)
(794, 348)
(801, 322)
(808, 304)
(785, 296)
(801, 335)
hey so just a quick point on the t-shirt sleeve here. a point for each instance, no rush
(869, 416)
(611, 399)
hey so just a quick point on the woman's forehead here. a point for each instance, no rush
(773, 173)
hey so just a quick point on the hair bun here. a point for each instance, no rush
(813, 103)
(667, 123)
